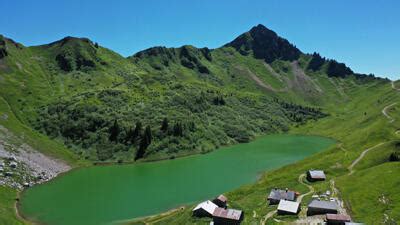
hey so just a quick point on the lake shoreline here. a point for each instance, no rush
(284, 146)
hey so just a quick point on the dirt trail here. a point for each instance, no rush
(350, 168)
(269, 215)
(385, 113)
(391, 120)
(311, 188)
(394, 87)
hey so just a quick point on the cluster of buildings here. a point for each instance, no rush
(217, 209)
(287, 204)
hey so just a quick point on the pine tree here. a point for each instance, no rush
(114, 131)
(164, 125)
(147, 135)
(129, 136)
(144, 143)
(137, 132)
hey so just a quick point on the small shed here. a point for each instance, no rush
(315, 175)
(223, 216)
(221, 201)
(277, 194)
(204, 209)
(317, 207)
(337, 219)
(288, 208)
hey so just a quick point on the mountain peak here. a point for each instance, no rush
(70, 39)
(265, 44)
(259, 28)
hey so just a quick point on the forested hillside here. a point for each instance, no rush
(167, 102)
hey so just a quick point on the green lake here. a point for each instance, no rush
(103, 194)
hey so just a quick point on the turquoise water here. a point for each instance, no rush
(102, 194)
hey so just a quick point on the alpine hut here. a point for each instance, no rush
(315, 175)
(317, 207)
(277, 194)
(227, 216)
(288, 207)
(204, 209)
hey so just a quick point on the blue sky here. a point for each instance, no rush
(365, 34)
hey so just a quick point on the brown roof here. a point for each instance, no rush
(232, 214)
(338, 217)
(222, 198)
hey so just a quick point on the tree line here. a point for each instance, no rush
(142, 137)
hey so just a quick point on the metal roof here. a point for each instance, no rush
(288, 206)
(232, 214)
(278, 194)
(323, 204)
(317, 174)
(338, 217)
(208, 206)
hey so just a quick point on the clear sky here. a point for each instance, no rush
(365, 34)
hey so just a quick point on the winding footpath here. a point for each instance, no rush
(394, 87)
(385, 113)
(391, 120)
(311, 188)
(355, 162)
(269, 215)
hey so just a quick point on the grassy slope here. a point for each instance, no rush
(358, 124)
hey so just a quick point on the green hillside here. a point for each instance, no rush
(358, 125)
(77, 101)
(98, 103)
